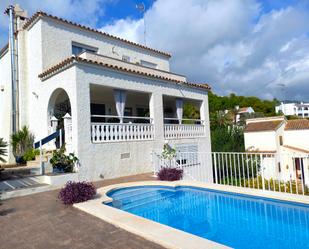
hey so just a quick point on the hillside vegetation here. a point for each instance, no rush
(219, 103)
(225, 136)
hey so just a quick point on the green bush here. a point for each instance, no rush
(22, 141)
(30, 154)
(271, 184)
(62, 162)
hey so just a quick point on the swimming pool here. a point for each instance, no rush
(235, 220)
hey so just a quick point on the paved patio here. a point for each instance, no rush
(42, 221)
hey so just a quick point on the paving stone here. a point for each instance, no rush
(41, 221)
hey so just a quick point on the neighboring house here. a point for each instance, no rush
(122, 100)
(242, 112)
(286, 139)
(294, 109)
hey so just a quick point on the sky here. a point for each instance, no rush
(248, 47)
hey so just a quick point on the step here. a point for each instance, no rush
(129, 192)
(147, 201)
(140, 197)
(134, 191)
(45, 158)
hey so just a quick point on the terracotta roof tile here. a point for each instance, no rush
(76, 59)
(296, 148)
(39, 14)
(297, 124)
(263, 126)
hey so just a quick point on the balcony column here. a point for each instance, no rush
(156, 114)
(204, 113)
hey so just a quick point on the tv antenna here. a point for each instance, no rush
(141, 8)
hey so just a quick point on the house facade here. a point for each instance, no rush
(284, 145)
(242, 112)
(294, 109)
(117, 100)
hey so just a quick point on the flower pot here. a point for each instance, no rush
(20, 160)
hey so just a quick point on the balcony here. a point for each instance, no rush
(178, 127)
(179, 131)
(119, 132)
(124, 115)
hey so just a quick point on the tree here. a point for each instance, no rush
(227, 139)
(22, 141)
(3, 150)
(190, 111)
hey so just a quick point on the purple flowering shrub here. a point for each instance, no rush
(74, 192)
(170, 174)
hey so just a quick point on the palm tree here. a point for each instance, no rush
(22, 141)
(219, 119)
(3, 150)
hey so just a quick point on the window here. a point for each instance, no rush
(280, 140)
(80, 48)
(279, 167)
(188, 154)
(148, 64)
(126, 58)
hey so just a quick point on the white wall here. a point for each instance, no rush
(5, 98)
(263, 141)
(105, 159)
(297, 138)
(56, 49)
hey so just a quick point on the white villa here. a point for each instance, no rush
(284, 144)
(122, 101)
(242, 111)
(294, 109)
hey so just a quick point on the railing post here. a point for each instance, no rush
(262, 172)
(54, 123)
(60, 138)
(41, 161)
(215, 163)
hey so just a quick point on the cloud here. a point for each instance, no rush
(82, 11)
(234, 45)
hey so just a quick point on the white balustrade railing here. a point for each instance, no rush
(114, 132)
(178, 131)
(279, 172)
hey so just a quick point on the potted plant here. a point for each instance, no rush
(61, 162)
(169, 173)
(22, 141)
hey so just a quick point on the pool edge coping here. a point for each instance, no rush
(162, 234)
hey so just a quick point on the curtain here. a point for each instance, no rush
(179, 109)
(120, 100)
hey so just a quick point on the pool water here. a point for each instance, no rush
(238, 221)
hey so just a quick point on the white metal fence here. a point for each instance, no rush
(288, 173)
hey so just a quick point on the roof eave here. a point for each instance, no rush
(35, 17)
(73, 59)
